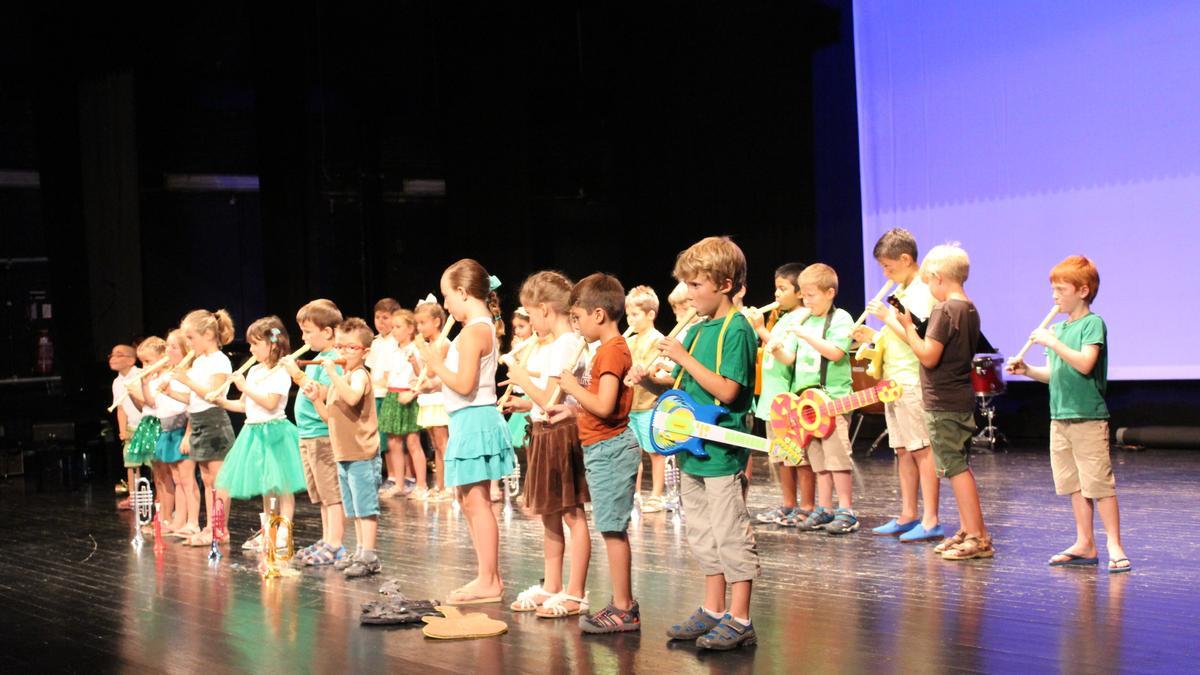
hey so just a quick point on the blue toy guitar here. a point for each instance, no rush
(679, 424)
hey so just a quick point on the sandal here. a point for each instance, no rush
(325, 555)
(950, 543)
(1115, 566)
(972, 547)
(391, 612)
(530, 599)
(555, 609)
(462, 596)
(1072, 560)
(254, 543)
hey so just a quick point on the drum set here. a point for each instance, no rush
(987, 379)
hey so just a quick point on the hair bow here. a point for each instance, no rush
(429, 298)
(493, 283)
(274, 335)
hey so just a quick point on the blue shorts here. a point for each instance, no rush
(360, 487)
(639, 421)
(612, 467)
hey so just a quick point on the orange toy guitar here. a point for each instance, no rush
(797, 419)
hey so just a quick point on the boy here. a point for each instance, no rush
(317, 320)
(122, 360)
(945, 355)
(1077, 372)
(823, 360)
(611, 456)
(641, 309)
(713, 488)
(896, 252)
(382, 347)
(354, 433)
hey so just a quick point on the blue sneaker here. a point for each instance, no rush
(729, 634)
(895, 528)
(697, 625)
(817, 520)
(919, 534)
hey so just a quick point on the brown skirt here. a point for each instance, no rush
(554, 477)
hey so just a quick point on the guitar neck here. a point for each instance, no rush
(719, 434)
(856, 400)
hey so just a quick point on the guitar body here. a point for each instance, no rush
(675, 415)
(812, 414)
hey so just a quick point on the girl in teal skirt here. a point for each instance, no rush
(265, 458)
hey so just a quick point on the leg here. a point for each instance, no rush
(638, 483)
(165, 489)
(658, 470)
(191, 493)
(714, 593)
(930, 487)
(966, 494)
(1110, 515)
(787, 481)
(581, 550)
(333, 524)
(825, 490)
(1085, 539)
(906, 468)
(395, 460)
(366, 528)
(554, 549)
(843, 482)
(739, 599)
(439, 446)
(214, 468)
(807, 483)
(620, 558)
(486, 535)
(417, 456)
(287, 506)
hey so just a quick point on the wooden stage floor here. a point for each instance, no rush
(77, 597)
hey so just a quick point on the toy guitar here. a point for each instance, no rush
(797, 419)
(677, 424)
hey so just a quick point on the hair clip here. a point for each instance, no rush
(274, 335)
(493, 283)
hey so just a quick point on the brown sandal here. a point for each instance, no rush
(950, 543)
(972, 547)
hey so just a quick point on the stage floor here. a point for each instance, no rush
(77, 597)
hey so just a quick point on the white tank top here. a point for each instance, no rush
(484, 392)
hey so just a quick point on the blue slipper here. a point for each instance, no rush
(1073, 560)
(1118, 570)
(895, 528)
(919, 534)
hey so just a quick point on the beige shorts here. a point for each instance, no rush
(719, 530)
(1079, 458)
(906, 421)
(320, 471)
(832, 453)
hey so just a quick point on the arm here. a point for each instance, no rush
(826, 348)
(722, 388)
(603, 403)
(347, 388)
(1083, 360)
(471, 344)
(268, 401)
(928, 350)
(135, 394)
(232, 405)
(1038, 373)
(122, 424)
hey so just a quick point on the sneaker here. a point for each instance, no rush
(364, 566)
(653, 505)
(950, 543)
(419, 494)
(895, 528)
(773, 515)
(121, 488)
(698, 624)
(410, 484)
(393, 491)
(343, 563)
(844, 521)
(971, 547)
(817, 520)
(612, 620)
(919, 534)
(729, 634)
(386, 485)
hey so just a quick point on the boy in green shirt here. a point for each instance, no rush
(713, 488)
(1077, 371)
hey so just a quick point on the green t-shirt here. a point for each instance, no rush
(1074, 396)
(776, 376)
(307, 420)
(738, 350)
(808, 359)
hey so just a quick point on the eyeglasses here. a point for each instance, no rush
(357, 348)
(119, 355)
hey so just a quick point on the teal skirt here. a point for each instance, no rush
(166, 450)
(480, 447)
(140, 449)
(396, 418)
(265, 459)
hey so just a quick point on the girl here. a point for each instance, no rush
(398, 415)
(265, 458)
(209, 434)
(479, 449)
(173, 415)
(517, 419)
(149, 430)
(555, 486)
(432, 413)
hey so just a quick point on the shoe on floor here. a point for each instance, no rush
(972, 547)
(696, 625)
(773, 515)
(612, 620)
(363, 566)
(817, 520)
(895, 528)
(844, 522)
(729, 634)
(919, 534)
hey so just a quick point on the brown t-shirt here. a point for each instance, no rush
(947, 386)
(353, 430)
(612, 357)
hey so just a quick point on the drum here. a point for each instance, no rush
(987, 377)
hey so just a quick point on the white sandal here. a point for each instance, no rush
(527, 599)
(554, 608)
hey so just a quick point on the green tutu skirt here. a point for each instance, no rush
(264, 459)
(140, 449)
(396, 418)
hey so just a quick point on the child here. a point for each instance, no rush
(555, 483)
(823, 360)
(398, 416)
(145, 438)
(121, 360)
(945, 354)
(518, 419)
(317, 321)
(431, 414)
(896, 252)
(1077, 372)
(611, 454)
(209, 434)
(173, 415)
(349, 410)
(479, 449)
(680, 304)
(641, 309)
(778, 370)
(265, 458)
(713, 488)
(382, 347)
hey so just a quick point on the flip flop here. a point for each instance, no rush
(1118, 570)
(460, 597)
(1073, 560)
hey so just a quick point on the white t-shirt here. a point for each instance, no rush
(263, 380)
(434, 397)
(551, 360)
(165, 408)
(201, 372)
(119, 392)
(400, 374)
(377, 361)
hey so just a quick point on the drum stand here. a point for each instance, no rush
(989, 437)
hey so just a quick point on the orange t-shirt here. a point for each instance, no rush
(612, 357)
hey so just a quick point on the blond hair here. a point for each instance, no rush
(219, 323)
(644, 298)
(152, 345)
(176, 335)
(321, 313)
(678, 294)
(431, 310)
(405, 316)
(820, 275)
(948, 261)
(549, 287)
(716, 258)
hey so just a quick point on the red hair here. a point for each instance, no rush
(1078, 271)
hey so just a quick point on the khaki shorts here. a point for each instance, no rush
(1079, 458)
(906, 421)
(832, 453)
(320, 471)
(719, 531)
(948, 436)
